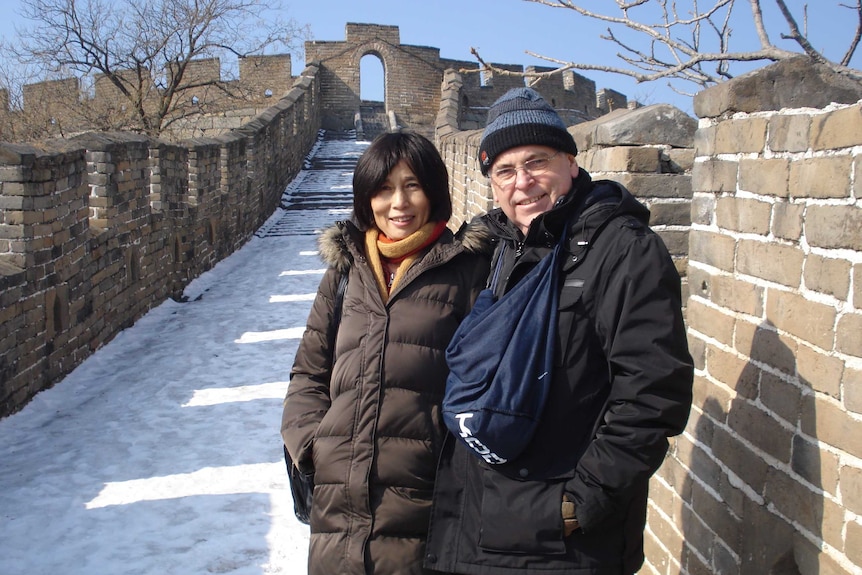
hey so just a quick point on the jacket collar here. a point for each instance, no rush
(597, 201)
(341, 243)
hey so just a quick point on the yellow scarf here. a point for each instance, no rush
(404, 252)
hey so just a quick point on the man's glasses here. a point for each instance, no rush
(506, 176)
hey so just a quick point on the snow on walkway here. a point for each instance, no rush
(160, 454)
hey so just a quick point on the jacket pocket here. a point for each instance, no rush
(521, 516)
(570, 307)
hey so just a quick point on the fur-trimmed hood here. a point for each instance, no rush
(474, 237)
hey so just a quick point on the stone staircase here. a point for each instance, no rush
(374, 119)
(322, 192)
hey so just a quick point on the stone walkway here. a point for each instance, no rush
(160, 454)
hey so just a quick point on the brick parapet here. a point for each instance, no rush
(774, 317)
(98, 229)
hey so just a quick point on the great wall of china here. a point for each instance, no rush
(759, 200)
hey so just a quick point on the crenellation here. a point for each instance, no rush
(91, 240)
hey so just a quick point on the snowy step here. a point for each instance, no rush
(322, 192)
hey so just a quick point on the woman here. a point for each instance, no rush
(364, 414)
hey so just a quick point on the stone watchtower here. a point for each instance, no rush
(411, 75)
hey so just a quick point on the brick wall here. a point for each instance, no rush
(98, 229)
(768, 475)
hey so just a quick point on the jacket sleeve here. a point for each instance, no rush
(639, 321)
(308, 397)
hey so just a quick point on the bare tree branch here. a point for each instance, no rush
(845, 61)
(143, 49)
(676, 46)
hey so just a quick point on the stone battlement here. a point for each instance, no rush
(96, 230)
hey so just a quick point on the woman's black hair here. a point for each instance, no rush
(377, 162)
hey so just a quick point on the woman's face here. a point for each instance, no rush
(400, 206)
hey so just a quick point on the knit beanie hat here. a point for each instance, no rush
(521, 117)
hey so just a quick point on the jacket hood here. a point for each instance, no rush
(474, 237)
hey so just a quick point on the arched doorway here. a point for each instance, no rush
(372, 80)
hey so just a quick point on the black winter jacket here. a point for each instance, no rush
(621, 386)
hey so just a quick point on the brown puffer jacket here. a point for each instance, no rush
(370, 427)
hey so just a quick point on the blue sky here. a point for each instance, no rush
(503, 30)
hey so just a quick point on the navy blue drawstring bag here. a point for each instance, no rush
(500, 360)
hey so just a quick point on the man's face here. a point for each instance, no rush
(542, 175)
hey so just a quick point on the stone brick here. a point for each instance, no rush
(743, 215)
(676, 241)
(666, 532)
(770, 261)
(701, 464)
(812, 560)
(793, 500)
(790, 83)
(656, 185)
(817, 466)
(853, 547)
(746, 135)
(714, 176)
(698, 536)
(766, 177)
(830, 424)
(736, 294)
(840, 128)
(704, 141)
(680, 160)
(627, 159)
(656, 559)
(827, 177)
(857, 182)
(718, 520)
(701, 283)
(852, 385)
(851, 488)
(710, 321)
(808, 320)
(740, 460)
(677, 477)
(702, 209)
(834, 227)
(670, 213)
(713, 249)
(726, 561)
(828, 275)
(765, 537)
(849, 334)
(822, 372)
(760, 429)
(763, 344)
(714, 401)
(646, 125)
(662, 496)
(857, 285)
(789, 132)
(832, 528)
(734, 371)
(694, 565)
(732, 495)
(780, 397)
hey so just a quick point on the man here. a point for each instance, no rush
(575, 500)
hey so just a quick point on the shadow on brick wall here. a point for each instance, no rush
(755, 497)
